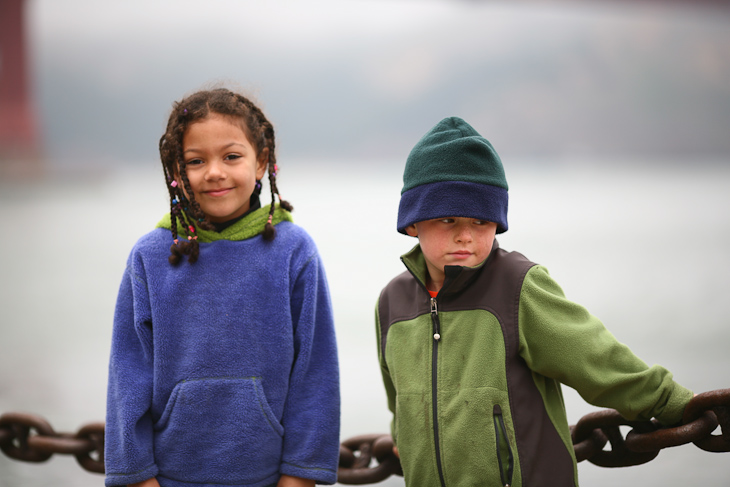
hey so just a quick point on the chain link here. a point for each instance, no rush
(30, 438)
(358, 453)
(702, 416)
(369, 459)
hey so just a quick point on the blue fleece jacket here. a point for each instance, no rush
(224, 372)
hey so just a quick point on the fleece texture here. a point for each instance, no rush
(224, 372)
(453, 171)
(482, 405)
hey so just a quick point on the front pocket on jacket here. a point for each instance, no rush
(504, 451)
(218, 430)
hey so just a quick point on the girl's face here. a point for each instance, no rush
(222, 167)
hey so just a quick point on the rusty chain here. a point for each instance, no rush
(704, 413)
(369, 459)
(30, 438)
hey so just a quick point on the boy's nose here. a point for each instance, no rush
(463, 234)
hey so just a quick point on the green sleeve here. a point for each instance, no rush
(562, 340)
(387, 381)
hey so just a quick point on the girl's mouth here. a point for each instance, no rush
(217, 192)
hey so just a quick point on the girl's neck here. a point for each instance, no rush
(255, 205)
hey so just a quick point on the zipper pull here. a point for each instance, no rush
(435, 319)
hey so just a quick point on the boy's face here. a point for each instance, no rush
(453, 241)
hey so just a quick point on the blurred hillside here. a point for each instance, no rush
(353, 79)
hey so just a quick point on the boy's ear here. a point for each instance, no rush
(412, 230)
(262, 163)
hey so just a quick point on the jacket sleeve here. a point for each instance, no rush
(562, 340)
(311, 416)
(387, 381)
(128, 449)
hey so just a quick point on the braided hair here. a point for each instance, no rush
(183, 207)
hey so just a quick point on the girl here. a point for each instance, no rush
(223, 366)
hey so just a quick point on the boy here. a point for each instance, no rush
(474, 341)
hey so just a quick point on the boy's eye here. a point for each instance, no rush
(480, 222)
(447, 220)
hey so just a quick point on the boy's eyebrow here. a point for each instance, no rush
(193, 149)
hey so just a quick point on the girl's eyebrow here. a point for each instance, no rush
(227, 146)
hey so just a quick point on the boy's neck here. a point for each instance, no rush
(433, 285)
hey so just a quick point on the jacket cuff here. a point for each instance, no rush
(114, 479)
(319, 475)
(673, 411)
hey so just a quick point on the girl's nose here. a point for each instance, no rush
(215, 171)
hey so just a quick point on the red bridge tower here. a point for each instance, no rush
(19, 141)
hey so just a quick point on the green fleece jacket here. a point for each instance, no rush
(473, 376)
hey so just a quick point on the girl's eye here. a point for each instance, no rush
(194, 162)
(233, 157)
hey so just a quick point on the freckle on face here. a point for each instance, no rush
(443, 244)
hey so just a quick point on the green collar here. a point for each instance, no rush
(415, 262)
(457, 277)
(248, 227)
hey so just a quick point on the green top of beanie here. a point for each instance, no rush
(453, 151)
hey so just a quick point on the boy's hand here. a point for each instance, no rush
(395, 451)
(147, 483)
(287, 481)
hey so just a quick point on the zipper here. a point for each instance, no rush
(435, 319)
(504, 451)
(434, 374)
(434, 388)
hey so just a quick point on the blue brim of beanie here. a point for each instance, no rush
(453, 199)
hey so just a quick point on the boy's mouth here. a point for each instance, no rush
(461, 254)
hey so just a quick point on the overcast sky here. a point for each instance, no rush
(347, 79)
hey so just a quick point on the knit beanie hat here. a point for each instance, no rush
(453, 171)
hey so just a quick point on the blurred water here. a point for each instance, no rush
(644, 247)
